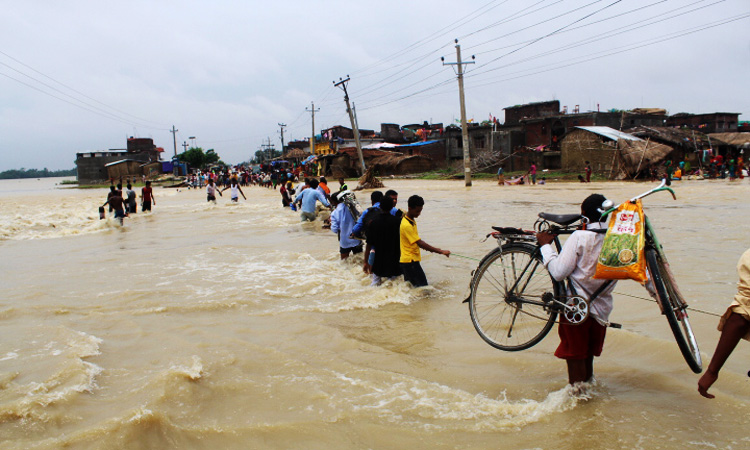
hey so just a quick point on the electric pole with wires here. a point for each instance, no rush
(464, 126)
(355, 128)
(282, 126)
(312, 136)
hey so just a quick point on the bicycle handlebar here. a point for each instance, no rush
(661, 187)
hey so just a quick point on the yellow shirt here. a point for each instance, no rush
(741, 303)
(409, 237)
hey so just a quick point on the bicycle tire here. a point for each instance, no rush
(502, 322)
(674, 307)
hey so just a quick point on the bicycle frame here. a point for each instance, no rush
(525, 274)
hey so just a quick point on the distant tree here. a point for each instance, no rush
(36, 173)
(261, 156)
(199, 159)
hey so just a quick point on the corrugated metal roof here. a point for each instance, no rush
(114, 163)
(611, 133)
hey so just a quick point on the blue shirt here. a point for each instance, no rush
(342, 222)
(308, 197)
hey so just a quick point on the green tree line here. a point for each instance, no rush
(36, 173)
(199, 159)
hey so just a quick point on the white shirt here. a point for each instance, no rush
(577, 260)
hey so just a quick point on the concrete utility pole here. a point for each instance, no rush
(464, 126)
(174, 138)
(342, 85)
(282, 125)
(184, 145)
(312, 136)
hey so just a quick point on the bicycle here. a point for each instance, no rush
(514, 301)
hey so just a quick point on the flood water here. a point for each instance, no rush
(233, 326)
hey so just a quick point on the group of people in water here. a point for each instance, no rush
(122, 205)
(387, 235)
(390, 241)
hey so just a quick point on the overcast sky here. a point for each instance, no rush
(85, 75)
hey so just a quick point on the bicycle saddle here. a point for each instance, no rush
(560, 219)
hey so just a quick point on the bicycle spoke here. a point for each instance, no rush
(504, 285)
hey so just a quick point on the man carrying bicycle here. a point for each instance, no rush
(577, 262)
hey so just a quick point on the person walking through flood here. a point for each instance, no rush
(342, 223)
(130, 193)
(580, 343)
(211, 191)
(383, 235)
(307, 199)
(235, 191)
(147, 196)
(116, 204)
(411, 243)
(734, 325)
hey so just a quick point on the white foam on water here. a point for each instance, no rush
(9, 355)
(56, 372)
(408, 401)
(140, 415)
(275, 282)
(192, 372)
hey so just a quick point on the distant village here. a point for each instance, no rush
(619, 144)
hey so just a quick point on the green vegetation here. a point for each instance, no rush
(263, 156)
(198, 159)
(35, 173)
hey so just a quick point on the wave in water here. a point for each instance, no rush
(46, 369)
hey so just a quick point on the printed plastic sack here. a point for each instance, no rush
(622, 256)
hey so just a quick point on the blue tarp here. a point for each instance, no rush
(417, 144)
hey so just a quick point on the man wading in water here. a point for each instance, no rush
(577, 260)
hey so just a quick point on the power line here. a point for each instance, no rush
(599, 38)
(70, 88)
(555, 32)
(94, 111)
(668, 37)
(441, 32)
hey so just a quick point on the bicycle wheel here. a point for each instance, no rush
(505, 280)
(675, 308)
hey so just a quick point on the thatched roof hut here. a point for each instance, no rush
(612, 153)
(685, 138)
(740, 140)
(296, 154)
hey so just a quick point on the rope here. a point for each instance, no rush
(700, 311)
(466, 257)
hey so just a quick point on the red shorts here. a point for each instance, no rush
(580, 341)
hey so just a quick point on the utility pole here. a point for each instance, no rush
(312, 136)
(342, 85)
(464, 126)
(268, 150)
(184, 146)
(174, 138)
(282, 125)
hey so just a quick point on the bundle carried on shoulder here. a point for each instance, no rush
(622, 255)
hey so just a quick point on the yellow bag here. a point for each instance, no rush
(622, 256)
